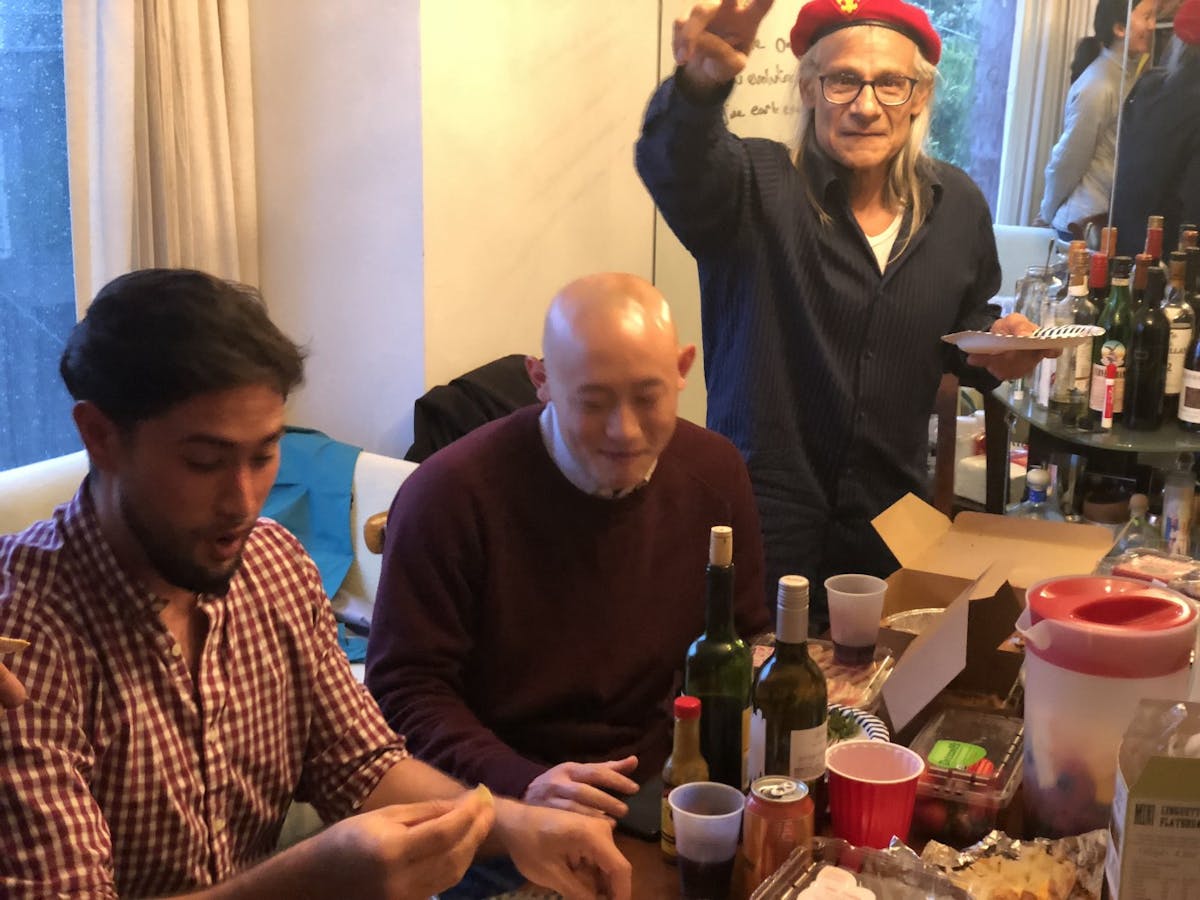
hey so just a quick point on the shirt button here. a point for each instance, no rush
(176, 651)
(218, 826)
(870, 354)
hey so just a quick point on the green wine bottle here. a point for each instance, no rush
(787, 730)
(718, 671)
(1112, 346)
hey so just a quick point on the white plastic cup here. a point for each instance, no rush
(855, 608)
(708, 818)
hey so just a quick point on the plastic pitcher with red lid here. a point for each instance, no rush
(1094, 646)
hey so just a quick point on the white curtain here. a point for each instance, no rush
(160, 138)
(1043, 44)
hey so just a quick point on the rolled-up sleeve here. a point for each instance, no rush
(350, 746)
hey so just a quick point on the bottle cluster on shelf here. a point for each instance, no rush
(1143, 371)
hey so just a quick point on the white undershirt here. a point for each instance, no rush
(881, 244)
(566, 462)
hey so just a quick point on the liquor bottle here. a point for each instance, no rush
(1037, 503)
(1137, 284)
(1138, 533)
(1033, 292)
(1192, 280)
(1045, 374)
(1179, 495)
(683, 766)
(718, 670)
(1108, 242)
(788, 735)
(1098, 279)
(1075, 363)
(1179, 313)
(1112, 346)
(1154, 238)
(1189, 236)
(1146, 363)
(1189, 395)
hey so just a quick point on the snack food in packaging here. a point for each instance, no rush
(1155, 821)
(1000, 868)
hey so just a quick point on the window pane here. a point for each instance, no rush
(37, 294)
(968, 116)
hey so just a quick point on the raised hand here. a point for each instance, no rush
(713, 41)
(581, 787)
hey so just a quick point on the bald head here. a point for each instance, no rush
(612, 369)
(611, 306)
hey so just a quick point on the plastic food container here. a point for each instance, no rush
(886, 874)
(973, 764)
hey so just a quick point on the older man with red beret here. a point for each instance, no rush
(827, 275)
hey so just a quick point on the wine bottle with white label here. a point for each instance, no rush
(788, 730)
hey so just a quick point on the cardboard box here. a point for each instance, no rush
(977, 569)
(1154, 834)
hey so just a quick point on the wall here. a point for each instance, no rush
(338, 131)
(531, 110)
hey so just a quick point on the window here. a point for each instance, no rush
(968, 115)
(37, 293)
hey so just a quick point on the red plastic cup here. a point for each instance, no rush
(872, 789)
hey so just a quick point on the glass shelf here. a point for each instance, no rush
(1169, 438)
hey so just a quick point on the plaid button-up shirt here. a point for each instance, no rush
(122, 775)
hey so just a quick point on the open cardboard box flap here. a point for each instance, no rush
(978, 568)
(1021, 551)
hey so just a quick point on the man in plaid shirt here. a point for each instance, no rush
(183, 676)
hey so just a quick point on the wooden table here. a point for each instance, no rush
(653, 877)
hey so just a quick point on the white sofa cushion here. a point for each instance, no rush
(29, 493)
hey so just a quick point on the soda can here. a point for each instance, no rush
(779, 818)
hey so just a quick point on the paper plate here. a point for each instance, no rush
(849, 724)
(985, 342)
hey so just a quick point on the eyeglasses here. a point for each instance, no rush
(890, 90)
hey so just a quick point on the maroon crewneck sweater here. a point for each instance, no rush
(521, 623)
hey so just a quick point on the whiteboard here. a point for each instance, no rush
(764, 103)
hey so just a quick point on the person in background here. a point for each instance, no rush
(184, 677)
(531, 634)
(1158, 167)
(827, 277)
(1079, 175)
(12, 692)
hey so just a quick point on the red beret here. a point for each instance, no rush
(818, 18)
(1187, 22)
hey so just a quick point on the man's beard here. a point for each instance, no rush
(174, 567)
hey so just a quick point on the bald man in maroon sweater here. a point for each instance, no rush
(544, 575)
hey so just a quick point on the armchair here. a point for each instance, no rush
(29, 493)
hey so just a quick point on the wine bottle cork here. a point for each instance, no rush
(720, 546)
